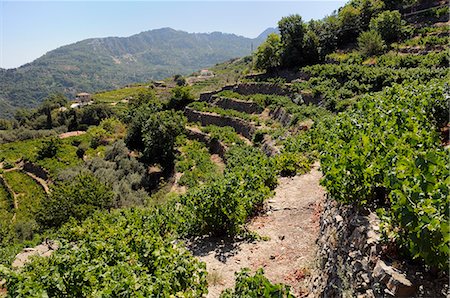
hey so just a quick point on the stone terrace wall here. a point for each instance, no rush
(261, 88)
(36, 170)
(215, 146)
(281, 115)
(245, 106)
(351, 261)
(242, 127)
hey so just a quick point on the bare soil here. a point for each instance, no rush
(290, 223)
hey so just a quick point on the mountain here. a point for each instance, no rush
(105, 63)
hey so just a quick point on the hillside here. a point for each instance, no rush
(105, 63)
(276, 177)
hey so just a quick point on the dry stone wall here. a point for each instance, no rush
(215, 146)
(245, 106)
(351, 261)
(240, 126)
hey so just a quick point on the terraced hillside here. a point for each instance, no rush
(331, 177)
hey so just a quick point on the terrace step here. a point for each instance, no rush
(242, 127)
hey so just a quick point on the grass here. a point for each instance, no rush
(5, 198)
(115, 96)
(226, 73)
(29, 192)
(204, 107)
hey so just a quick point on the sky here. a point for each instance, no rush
(29, 29)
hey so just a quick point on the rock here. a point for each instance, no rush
(338, 218)
(401, 286)
(396, 282)
(365, 277)
(372, 237)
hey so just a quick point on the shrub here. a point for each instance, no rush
(76, 199)
(159, 134)
(388, 24)
(49, 148)
(256, 286)
(386, 153)
(291, 164)
(371, 43)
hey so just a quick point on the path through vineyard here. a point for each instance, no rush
(291, 223)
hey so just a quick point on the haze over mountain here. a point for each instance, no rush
(104, 63)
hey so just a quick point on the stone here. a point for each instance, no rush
(365, 277)
(396, 282)
(372, 237)
(401, 286)
(338, 218)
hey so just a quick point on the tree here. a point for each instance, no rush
(371, 43)
(50, 103)
(267, 56)
(388, 24)
(77, 198)
(292, 32)
(137, 117)
(144, 97)
(94, 114)
(179, 80)
(181, 97)
(49, 148)
(159, 134)
(311, 47)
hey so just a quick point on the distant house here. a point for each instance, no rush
(81, 99)
(206, 73)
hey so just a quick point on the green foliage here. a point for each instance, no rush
(256, 286)
(75, 199)
(49, 148)
(388, 24)
(181, 97)
(291, 164)
(225, 134)
(195, 163)
(267, 56)
(335, 83)
(159, 134)
(387, 149)
(371, 43)
(222, 207)
(205, 107)
(292, 31)
(121, 254)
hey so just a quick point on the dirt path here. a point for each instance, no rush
(291, 223)
(40, 181)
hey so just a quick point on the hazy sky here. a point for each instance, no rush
(29, 29)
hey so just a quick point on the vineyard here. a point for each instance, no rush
(164, 167)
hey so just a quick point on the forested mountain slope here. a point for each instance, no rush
(104, 63)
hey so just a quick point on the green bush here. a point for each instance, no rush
(49, 148)
(159, 134)
(388, 24)
(77, 199)
(256, 286)
(386, 153)
(121, 254)
(291, 164)
(371, 43)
